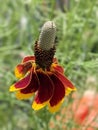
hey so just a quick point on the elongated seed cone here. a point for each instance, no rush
(47, 36)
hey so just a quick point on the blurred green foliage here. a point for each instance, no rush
(77, 52)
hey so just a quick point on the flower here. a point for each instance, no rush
(81, 114)
(87, 109)
(42, 75)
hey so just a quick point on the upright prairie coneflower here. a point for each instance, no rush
(41, 75)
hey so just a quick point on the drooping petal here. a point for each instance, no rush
(67, 83)
(45, 91)
(21, 84)
(19, 71)
(30, 89)
(28, 58)
(22, 69)
(20, 95)
(37, 106)
(58, 95)
(58, 68)
(56, 107)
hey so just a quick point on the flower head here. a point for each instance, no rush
(41, 75)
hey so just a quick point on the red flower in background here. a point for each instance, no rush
(86, 110)
(82, 114)
(42, 75)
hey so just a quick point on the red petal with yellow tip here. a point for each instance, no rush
(28, 58)
(59, 91)
(30, 89)
(22, 96)
(23, 83)
(58, 68)
(45, 91)
(33, 86)
(22, 69)
(64, 80)
(46, 88)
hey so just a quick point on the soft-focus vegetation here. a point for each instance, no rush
(77, 52)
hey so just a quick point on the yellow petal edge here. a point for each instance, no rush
(37, 106)
(56, 107)
(22, 96)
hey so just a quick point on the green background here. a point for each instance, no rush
(77, 52)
